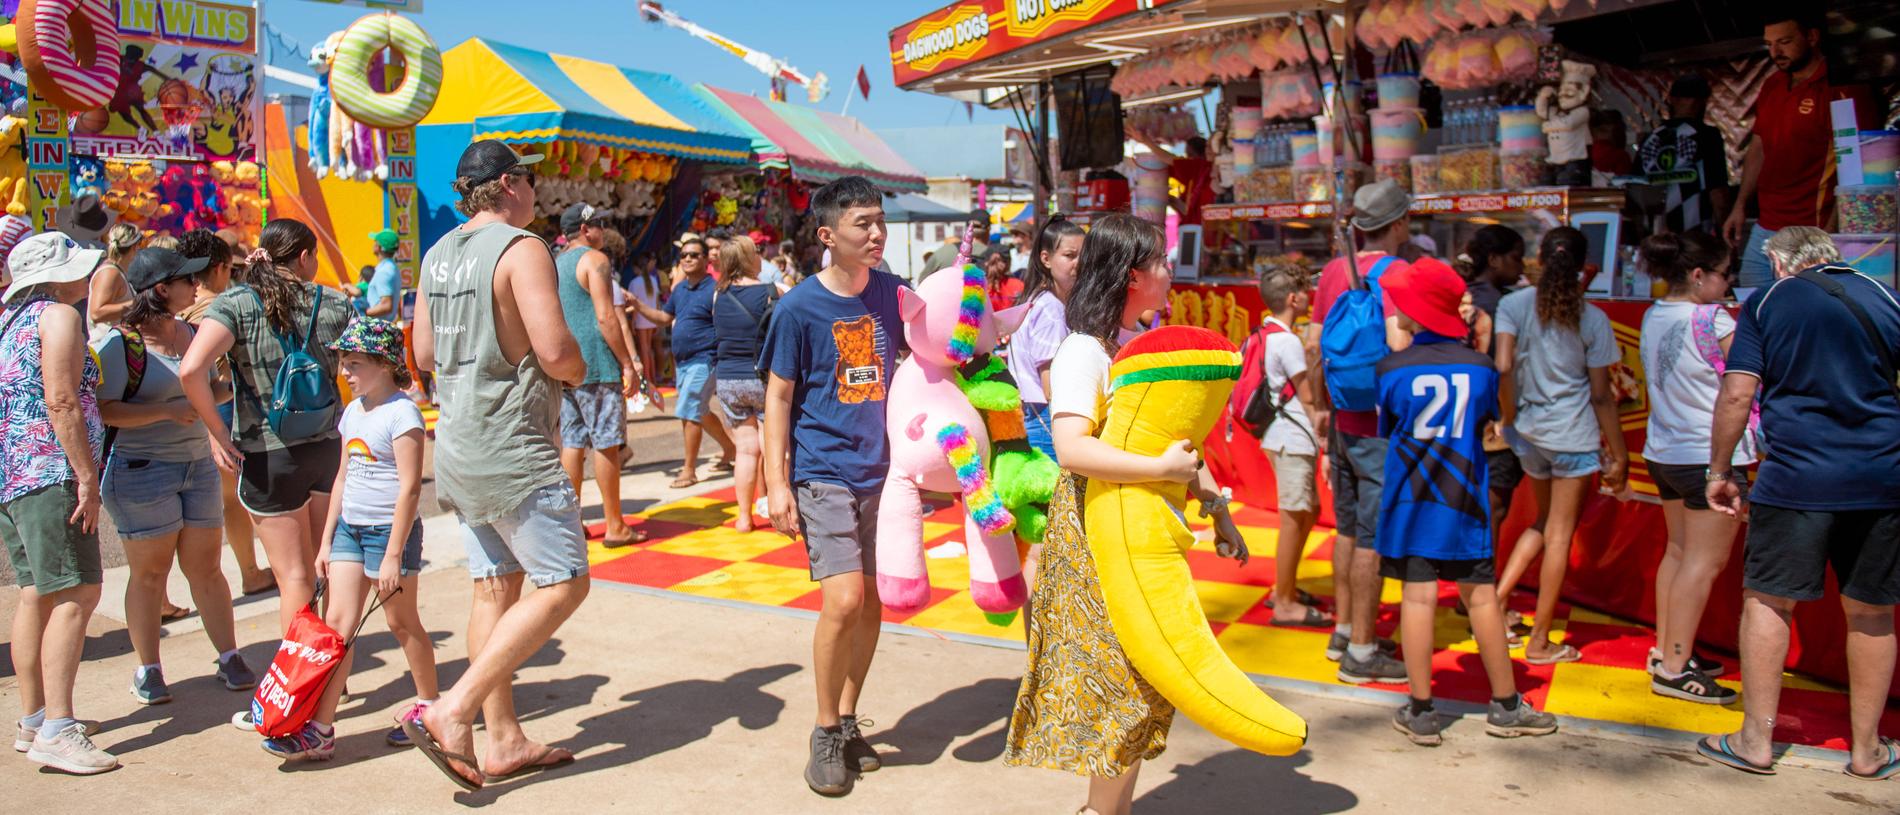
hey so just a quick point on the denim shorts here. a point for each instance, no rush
(1544, 465)
(367, 543)
(1036, 427)
(695, 382)
(541, 536)
(147, 498)
(593, 417)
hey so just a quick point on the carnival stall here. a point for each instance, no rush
(633, 143)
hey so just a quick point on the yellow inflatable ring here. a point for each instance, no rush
(1170, 384)
(421, 80)
(71, 51)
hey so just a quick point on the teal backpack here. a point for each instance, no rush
(303, 401)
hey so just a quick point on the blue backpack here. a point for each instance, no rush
(1352, 341)
(303, 400)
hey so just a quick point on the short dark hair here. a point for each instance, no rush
(1196, 144)
(693, 242)
(204, 243)
(720, 234)
(1280, 283)
(831, 200)
(1789, 13)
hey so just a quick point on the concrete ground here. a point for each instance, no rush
(680, 705)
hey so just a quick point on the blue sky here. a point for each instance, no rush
(829, 35)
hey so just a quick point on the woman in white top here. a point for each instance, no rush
(1082, 708)
(1685, 338)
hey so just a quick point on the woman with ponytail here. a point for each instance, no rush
(271, 307)
(107, 296)
(1046, 287)
(1554, 353)
(1686, 337)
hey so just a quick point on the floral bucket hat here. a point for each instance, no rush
(372, 336)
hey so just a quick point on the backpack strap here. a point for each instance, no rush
(316, 310)
(1881, 351)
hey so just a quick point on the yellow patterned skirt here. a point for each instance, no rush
(1082, 708)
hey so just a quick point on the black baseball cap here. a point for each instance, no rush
(151, 267)
(578, 215)
(487, 160)
(1689, 86)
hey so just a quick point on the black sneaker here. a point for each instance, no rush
(825, 773)
(1380, 667)
(1523, 720)
(1423, 729)
(857, 751)
(1336, 646)
(1691, 686)
(1697, 662)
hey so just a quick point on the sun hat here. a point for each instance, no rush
(49, 257)
(151, 267)
(1429, 292)
(376, 337)
(1380, 203)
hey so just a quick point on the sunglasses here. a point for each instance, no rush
(523, 174)
(691, 255)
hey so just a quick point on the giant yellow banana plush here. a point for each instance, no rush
(1169, 384)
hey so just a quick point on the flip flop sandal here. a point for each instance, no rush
(1304, 597)
(683, 482)
(638, 536)
(1886, 770)
(1720, 754)
(1313, 619)
(1565, 653)
(549, 758)
(1512, 639)
(176, 614)
(420, 737)
(265, 589)
(721, 466)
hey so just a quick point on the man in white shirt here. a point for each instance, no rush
(1290, 441)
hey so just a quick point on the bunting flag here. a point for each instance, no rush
(864, 84)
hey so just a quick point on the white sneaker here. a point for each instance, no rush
(23, 737)
(242, 721)
(71, 752)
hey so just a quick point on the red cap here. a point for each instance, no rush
(1429, 292)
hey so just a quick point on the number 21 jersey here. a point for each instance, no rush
(1434, 400)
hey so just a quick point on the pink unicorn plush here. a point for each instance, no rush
(939, 442)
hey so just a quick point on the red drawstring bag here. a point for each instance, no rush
(306, 660)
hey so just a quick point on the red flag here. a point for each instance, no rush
(864, 84)
(969, 111)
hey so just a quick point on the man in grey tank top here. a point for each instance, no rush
(489, 325)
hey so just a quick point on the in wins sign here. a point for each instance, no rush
(975, 30)
(399, 201)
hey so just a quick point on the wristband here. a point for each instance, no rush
(1711, 476)
(1217, 505)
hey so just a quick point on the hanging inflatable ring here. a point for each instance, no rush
(421, 80)
(71, 51)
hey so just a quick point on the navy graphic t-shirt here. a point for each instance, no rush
(1434, 399)
(839, 354)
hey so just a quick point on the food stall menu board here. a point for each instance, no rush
(1556, 200)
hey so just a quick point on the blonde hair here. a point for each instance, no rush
(480, 198)
(122, 241)
(738, 258)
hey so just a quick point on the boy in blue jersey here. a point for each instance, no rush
(1435, 511)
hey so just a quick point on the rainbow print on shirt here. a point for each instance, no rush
(359, 451)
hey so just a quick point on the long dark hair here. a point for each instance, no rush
(1491, 240)
(1116, 245)
(1672, 257)
(283, 240)
(1038, 278)
(1560, 290)
(147, 305)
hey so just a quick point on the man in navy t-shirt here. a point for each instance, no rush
(1828, 492)
(831, 350)
(688, 311)
(1435, 504)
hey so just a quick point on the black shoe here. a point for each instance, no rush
(857, 751)
(1379, 667)
(1696, 662)
(1424, 729)
(1691, 686)
(825, 773)
(1336, 646)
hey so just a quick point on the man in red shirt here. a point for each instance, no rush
(1789, 167)
(1194, 172)
(1355, 451)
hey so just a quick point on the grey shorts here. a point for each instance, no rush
(741, 399)
(541, 536)
(840, 529)
(1358, 465)
(593, 417)
(47, 550)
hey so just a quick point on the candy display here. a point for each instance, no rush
(1399, 170)
(1518, 169)
(1868, 210)
(1305, 149)
(1482, 58)
(1873, 255)
(1323, 128)
(1424, 167)
(1398, 90)
(1396, 132)
(1519, 129)
(350, 72)
(1879, 156)
(1311, 184)
(47, 31)
(1265, 184)
(1470, 168)
(1242, 128)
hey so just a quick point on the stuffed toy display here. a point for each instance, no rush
(1167, 385)
(13, 190)
(941, 441)
(1566, 114)
(322, 157)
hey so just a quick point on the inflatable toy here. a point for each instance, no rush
(71, 51)
(941, 442)
(1171, 384)
(421, 81)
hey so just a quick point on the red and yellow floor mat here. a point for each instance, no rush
(694, 550)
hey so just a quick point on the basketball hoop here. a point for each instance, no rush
(180, 105)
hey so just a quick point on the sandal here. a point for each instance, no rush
(1719, 753)
(633, 536)
(684, 481)
(440, 757)
(1304, 597)
(549, 758)
(1314, 619)
(1888, 769)
(1564, 653)
(721, 466)
(177, 613)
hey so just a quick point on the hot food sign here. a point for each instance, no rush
(975, 30)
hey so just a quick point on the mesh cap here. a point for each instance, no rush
(487, 160)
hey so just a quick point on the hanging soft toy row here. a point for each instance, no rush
(1385, 23)
(348, 116)
(629, 183)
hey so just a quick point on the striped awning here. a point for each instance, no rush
(816, 146)
(519, 94)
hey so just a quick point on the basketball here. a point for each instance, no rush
(92, 121)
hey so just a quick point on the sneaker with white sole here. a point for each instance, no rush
(308, 744)
(243, 720)
(1424, 729)
(825, 773)
(1523, 720)
(71, 751)
(149, 686)
(858, 753)
(1380, 667)
(1696, 662)
(236, 674)
(1336, 646)
(1691, 686)
(23, 737)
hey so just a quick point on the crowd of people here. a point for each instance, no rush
(1432, 391)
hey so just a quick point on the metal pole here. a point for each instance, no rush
(1042, 195)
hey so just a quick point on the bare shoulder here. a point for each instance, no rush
(524, 256)
(60, 318)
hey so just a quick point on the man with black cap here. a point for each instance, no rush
(489, 325)
(1688, 159)
(594, 413)
(979, 246)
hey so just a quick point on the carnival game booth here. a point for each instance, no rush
(630, 142)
